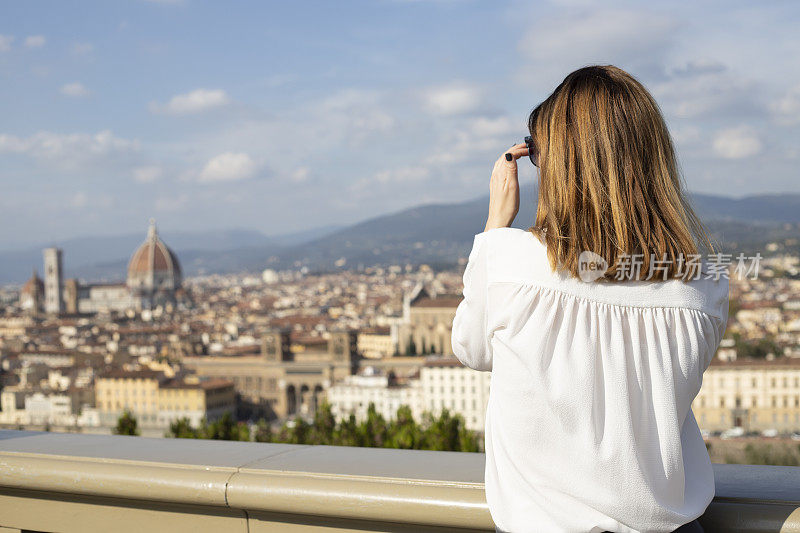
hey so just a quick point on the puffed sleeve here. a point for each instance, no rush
(470, 337)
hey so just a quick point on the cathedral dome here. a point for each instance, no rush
(34, 285)
(153, 266)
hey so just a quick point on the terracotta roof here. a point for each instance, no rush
(153, 255)
(35, 282)
(131, 374)
(439, 361)
(214, 383)
(441, 301)
(780, 362)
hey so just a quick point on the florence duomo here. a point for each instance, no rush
(153, 280)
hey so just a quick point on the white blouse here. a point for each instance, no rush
(589, 424)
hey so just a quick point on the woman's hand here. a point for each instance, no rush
(504, 189)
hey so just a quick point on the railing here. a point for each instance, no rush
(85, 483)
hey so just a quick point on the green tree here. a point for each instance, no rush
(756, 349)
(764, 454)
(181, 429)
(403, 432)
(373, 431)
(446, 432)
(324, 427)
(126, 424)
(226, 428)
(346, 432)
(263, 431)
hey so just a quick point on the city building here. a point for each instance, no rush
(427, 322)
(378, 342)
(135, 390)
(447, 384)
(280, 382)
(53, 280)
(441, 382)
(156, 400)
(195, 399)
(353, 394)
(31, 296)
(154, 279)
(755, 395)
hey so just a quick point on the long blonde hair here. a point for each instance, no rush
(609, 177)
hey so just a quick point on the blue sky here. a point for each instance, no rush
(281, 116)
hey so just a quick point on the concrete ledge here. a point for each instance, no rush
(73, 482)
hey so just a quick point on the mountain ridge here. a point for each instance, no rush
(435, 233)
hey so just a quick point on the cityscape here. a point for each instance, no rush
(275, 346)
(355, 266)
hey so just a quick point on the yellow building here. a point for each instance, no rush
(427, 323)
(156, 400)
(377, 343)
(752, 394)
(136, 390)
(195, 399)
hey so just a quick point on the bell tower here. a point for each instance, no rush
(53, 281)
(343, 347)
(275, 344)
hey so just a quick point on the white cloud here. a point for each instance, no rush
(634, 39)
(172, 203)
(786, 109)
(35, 41)
(736, 143)
(229, 166)
(45, 144)
(479, 139)
(5, 42)
(701, 88)
(82, 49)
(79, 200)
(452, 100)
(147, 174)
(193, 102)
(78, 152)
(407, 175)
(355, 115)
(300, 175)
(74, 90)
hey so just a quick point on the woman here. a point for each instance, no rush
(597, 323)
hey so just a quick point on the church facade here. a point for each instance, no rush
(154, 279)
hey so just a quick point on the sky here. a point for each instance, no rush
(285, 116)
